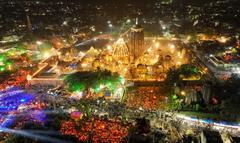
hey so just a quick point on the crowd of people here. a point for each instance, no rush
(207, 124)
(146, 97)
(96, 130)
(16, 79)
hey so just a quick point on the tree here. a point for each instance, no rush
(176, 75)
(81, 81)
(172, 77)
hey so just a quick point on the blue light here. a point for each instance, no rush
(39, 115)
(22, 100)
(10, 100)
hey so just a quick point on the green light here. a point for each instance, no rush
(97, 80)
(97, 89)
(2, 69)
(110, 85)
(2, 58)
(77, 87)
(234, 50)
(195, 70)
(174, 97)
(122, 80)
(9, 63)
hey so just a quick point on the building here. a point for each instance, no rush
(136, 41)
(120, 51)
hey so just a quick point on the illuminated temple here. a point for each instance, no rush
(130, 55)
(136, 41)
(121, 51)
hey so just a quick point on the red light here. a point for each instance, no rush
(102, 126)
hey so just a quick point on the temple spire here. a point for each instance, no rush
(137, 22)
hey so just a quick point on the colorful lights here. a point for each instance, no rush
(10, 100)
(20, 79)
(76, 115)
(5, 64)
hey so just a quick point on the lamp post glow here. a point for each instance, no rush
(223, 39)
(39, 42)
(172, 46)
(46, 55)
(157, 45)
(110, 25)
(183, 93)
(109, 47)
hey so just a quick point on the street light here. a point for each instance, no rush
(149, 49)
(110, 25)
(109, 47)
(84, 65)
(102, 86)
(179, 63)
(172, 46)
(39, 42)
(46, 55)
(183, 93)
(128, 21)
(29, 77)
(157, 45)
